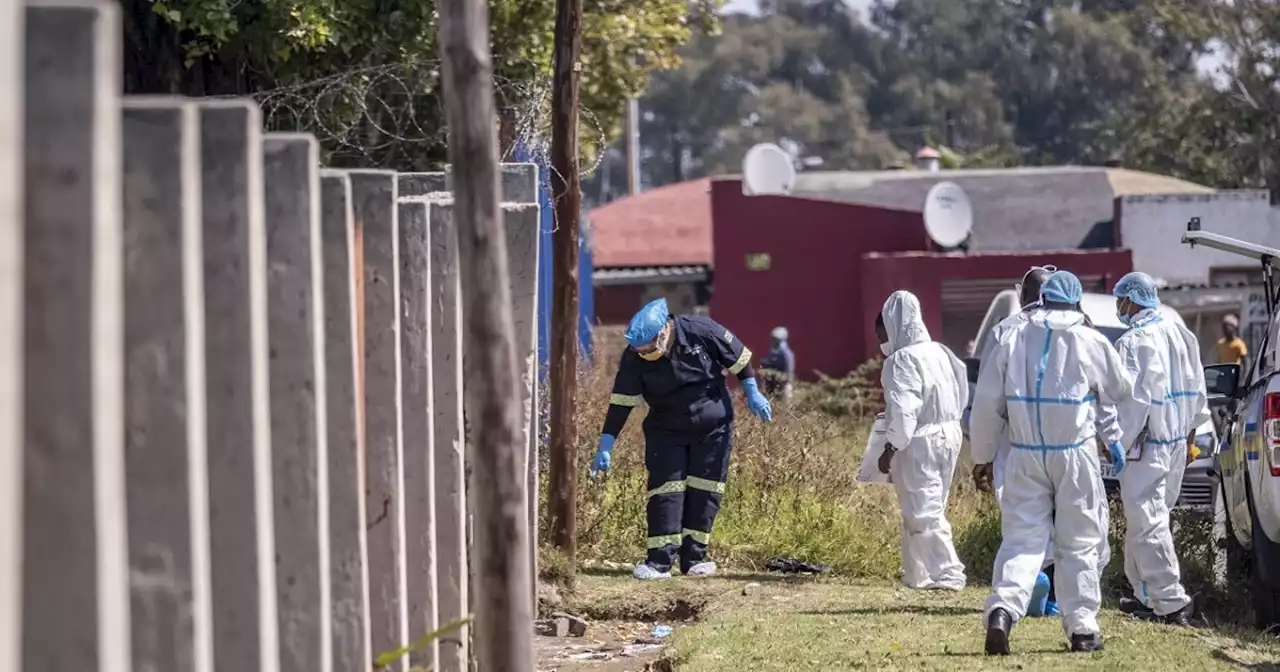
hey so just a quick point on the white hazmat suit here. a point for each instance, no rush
(1001, 331)
(925, 392)
(1169, 401)
(1042, 385)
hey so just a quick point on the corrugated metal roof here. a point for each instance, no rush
(649, 274)
(1022, 209)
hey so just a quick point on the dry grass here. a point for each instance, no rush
(791, 492)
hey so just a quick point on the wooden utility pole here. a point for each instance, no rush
(566, 191)
(503, 627)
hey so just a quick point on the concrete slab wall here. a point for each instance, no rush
(298, 422)
(75, 597)
(241, 513)
(374, 205)
(348, 546)
(165, 463)
(236, 380)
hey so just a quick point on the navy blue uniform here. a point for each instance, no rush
(687, 433)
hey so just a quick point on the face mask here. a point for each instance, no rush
(884, 347)
(1125, 318)
(660, 345)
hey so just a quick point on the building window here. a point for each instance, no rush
(1234, 275)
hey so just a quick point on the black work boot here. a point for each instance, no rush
(999, 622)
(1180, 618)
(1134, 607)
(1086, 643)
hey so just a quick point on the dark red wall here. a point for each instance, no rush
(834, 264)
(922, 274)
(615, 304)
(812, 287)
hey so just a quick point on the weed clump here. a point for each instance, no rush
(791, 489)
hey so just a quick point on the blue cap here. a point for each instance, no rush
(1062, 287)
(1139, 288)
(644, 327)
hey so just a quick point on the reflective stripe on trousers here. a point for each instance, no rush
(686, 485)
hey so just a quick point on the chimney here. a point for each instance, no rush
(928, 159)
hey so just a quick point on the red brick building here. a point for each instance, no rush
(657, 243)
(822, 261)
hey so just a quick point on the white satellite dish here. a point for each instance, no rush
(767, 170)
(948, 216)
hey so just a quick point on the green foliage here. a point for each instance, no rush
(386, 659)
(996, 83)
(855, 396)
(248, 46)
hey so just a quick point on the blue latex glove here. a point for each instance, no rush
(604, 455)
(756, 401)
(1117, 458)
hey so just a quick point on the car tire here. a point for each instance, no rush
(1232, 563)
(1264, 597)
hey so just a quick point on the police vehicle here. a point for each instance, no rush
(1248, 500)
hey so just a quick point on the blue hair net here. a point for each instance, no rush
(646, 324)
(1062, 287)
(1139, 288)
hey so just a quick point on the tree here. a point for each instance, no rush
(994, 82)
(1224, 133)
(363, 73)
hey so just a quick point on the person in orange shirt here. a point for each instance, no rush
(1231, 348)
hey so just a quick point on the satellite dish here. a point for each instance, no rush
(767, 170)
(948, 217)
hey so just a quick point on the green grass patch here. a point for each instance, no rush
(852, 625)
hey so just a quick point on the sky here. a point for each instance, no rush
(753, 6)
(1208, 65)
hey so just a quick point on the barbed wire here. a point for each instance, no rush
(393, 116)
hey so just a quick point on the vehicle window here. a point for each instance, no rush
(1004, 305)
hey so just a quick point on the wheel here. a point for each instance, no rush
(1232, 562)
(1263, 596)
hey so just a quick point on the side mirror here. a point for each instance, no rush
(971, 363)
(1221, 379)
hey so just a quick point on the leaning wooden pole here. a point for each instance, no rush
(503, 628)
(567, 192)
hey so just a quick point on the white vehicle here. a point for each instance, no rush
(1249, 460)
(1199, 484)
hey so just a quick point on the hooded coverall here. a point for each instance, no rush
(1043, 384)
(1001, 331)
(925, 391)
(1169, 401)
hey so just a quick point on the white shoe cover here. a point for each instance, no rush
(646, 573)
(707, 568)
